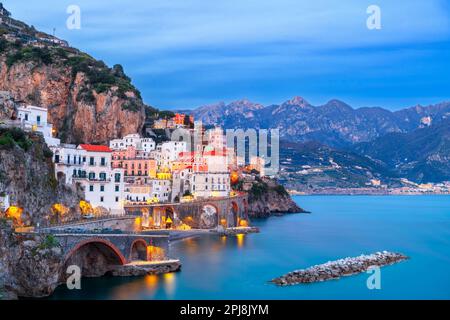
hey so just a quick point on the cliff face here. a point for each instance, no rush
(8, 107)
(30, 266)
(87, 101)
(27, 176)
(266, 197)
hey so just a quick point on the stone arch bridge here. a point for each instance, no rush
(199, 214)
(118, 249)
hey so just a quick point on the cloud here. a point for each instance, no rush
(183, 50)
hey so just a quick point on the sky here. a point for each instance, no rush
(187, 53)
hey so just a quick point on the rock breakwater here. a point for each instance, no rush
(336, 269)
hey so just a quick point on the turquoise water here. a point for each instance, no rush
(339, 226)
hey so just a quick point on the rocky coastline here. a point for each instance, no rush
(267, 197)
(335, 269)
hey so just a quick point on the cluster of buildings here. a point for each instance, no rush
(178, 121)
(134, 169)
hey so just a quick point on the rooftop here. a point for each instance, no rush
(95, 148)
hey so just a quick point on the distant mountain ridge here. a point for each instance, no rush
(421, 155)
(335, 123)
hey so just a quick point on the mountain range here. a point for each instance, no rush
(364, 144)
(334, 123)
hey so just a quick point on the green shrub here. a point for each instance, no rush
(38, 55)
(48, 242)
(6, 142)
(13, 58)
(258, 189)
(281, 190)
(131, 106)
(3, 45)
(48, 154)
(10, 137)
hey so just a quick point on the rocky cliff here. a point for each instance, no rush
(87, 101)
(266, 197)
(30, 266)
(27, 176)
(8, 106)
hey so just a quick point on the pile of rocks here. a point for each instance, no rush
(336, 269)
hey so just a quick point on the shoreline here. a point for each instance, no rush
(366, 194)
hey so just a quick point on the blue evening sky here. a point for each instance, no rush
(187, 53)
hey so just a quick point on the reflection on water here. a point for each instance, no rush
(239, 267)
(146, 287)
(240, 240)
(154, 286)
(169, 284)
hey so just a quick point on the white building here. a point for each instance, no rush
(161, 189)
(210, 184)
(135, 140)
(138, 193)
(4, 202)
(180, 183)
(68, 160)
(168, 152)
(34, 118)
(90, 166)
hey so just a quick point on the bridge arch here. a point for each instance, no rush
(138, 250)
(94, 256)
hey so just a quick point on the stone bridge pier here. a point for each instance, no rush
(200, 214)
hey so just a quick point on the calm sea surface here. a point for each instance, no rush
(339, 226)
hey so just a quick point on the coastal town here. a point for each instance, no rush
(202, 199)
(135, 171)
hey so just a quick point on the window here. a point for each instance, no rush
(102, 188)
(84, 159)
(91, 161)
(38, 119)
(102, 176)
(91, 188)
(26, 116)
(56, 158)
(117, 188)
(91, 175)
(68, 159)
(102, 199)
(117, 177)
(117, 199)
(103, 161)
